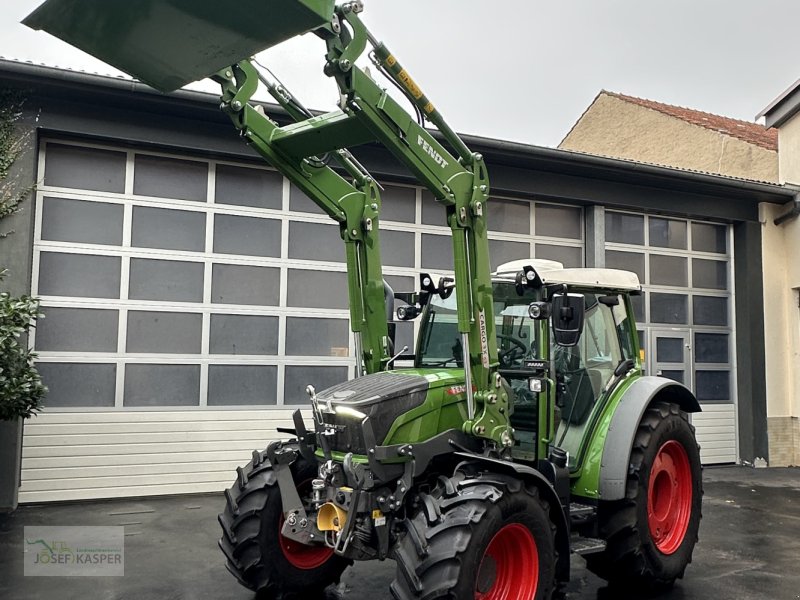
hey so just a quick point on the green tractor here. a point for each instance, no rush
(524, 432)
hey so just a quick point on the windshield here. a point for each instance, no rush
(516, 331)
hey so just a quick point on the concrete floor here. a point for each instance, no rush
(749, 548)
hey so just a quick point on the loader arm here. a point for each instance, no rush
(303, 151)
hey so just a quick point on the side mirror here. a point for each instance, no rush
(568, 313)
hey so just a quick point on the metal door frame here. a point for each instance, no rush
(655, 367)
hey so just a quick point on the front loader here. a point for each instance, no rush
(526, 429)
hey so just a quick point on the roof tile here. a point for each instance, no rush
(752, 133)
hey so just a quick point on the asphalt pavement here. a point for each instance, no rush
(749, 548)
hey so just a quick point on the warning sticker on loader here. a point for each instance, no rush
(484, 339)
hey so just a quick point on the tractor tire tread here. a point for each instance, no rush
(241, 523)
(431, 570)
(624, 562)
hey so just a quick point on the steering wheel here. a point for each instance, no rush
(516, 352)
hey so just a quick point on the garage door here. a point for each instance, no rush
(685, 313)
(185, 313)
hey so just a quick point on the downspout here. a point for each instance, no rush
(790, 214)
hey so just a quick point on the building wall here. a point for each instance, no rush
(789, 151)
(614, 127)
(782, 310)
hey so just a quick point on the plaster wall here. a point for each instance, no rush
(614, 127)
(782, 310)
(789, 151)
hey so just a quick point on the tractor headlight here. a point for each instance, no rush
(346, 411)
(539, 310)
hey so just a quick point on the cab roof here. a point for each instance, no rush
(553, 272)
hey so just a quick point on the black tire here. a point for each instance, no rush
(634, 558)
(250, 534)
(442, 553)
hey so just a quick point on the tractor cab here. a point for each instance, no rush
(565, 339)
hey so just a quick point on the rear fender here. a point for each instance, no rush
(625, 422)
(509, 473)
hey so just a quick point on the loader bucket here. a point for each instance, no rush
(169, 43)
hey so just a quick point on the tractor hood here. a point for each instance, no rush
(381, 399)
(368, 390)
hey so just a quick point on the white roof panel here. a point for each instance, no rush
(606, 278)
(554, 272)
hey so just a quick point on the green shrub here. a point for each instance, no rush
(21, 387)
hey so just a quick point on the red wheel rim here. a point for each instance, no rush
(669, 497)
(510, 567)
(300, 555)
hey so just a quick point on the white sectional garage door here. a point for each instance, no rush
(189, 301)
(685, 313)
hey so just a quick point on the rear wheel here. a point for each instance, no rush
(485, 543)
(652, 532)
(257, 554)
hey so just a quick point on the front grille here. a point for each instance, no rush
(348, 436)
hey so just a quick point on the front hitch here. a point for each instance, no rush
(297, 525)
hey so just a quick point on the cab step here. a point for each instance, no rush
(580, 514)
(584, 545)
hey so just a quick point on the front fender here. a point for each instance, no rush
(617, 439)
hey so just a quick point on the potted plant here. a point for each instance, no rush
(21, 387)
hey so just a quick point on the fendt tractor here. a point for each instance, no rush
(525, 430)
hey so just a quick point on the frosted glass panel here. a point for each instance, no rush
(162, 385)
(82, 275)
(232, 385)
(242, 186)
(77, 329)
(168, 229)
(250, 236)
(244, 334)
(65, 220)
(85, 168)
(166, 280)
(75, 384)
(240, 284)
(164, 332)
(170, 178)
(298, 377)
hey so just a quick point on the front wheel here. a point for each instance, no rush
(257, 554)
(652, 532)
(486, 543)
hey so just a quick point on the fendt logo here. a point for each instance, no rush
(432, 152)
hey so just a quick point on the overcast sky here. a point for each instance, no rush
(525, 70)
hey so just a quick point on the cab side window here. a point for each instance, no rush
(586, 368)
